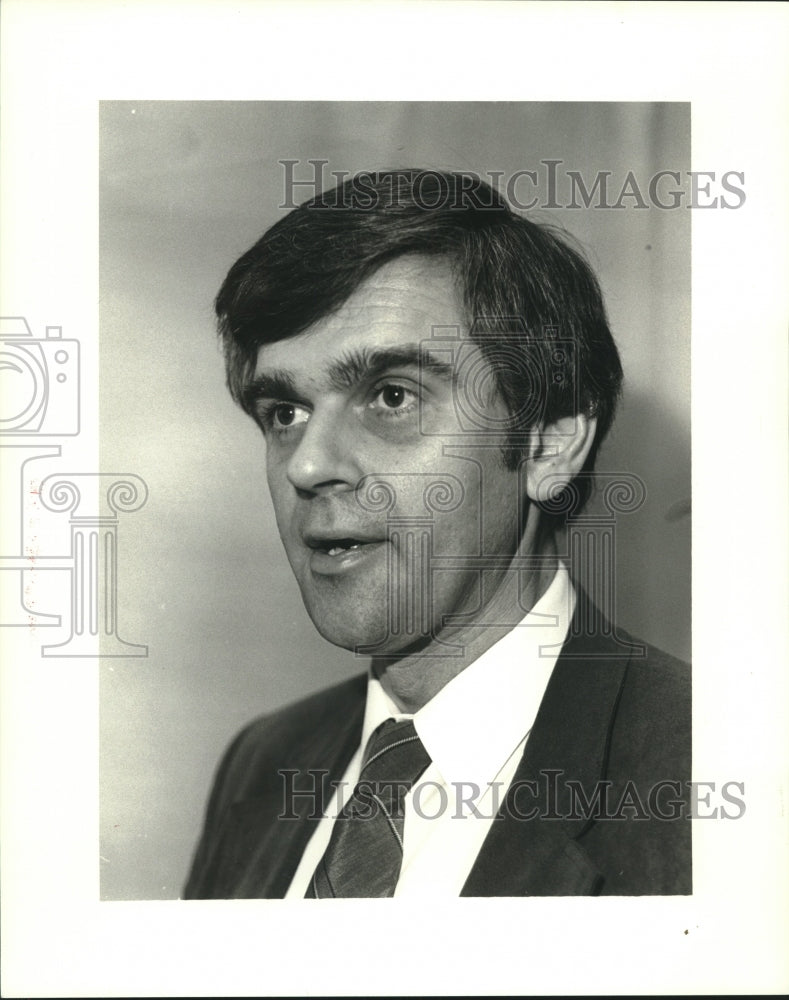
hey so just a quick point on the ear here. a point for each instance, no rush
(558, 455)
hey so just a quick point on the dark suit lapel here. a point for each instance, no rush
(540, 856)
(268, 834)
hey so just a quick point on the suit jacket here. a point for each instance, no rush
(598, 805)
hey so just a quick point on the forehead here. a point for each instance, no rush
(399, 304)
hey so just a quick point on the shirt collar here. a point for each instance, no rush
(476, 721)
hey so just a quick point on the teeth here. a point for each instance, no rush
(335, 550)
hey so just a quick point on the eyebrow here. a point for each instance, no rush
(276, 384)
(350, 370)
(363, 365)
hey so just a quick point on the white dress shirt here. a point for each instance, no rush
(475, 730)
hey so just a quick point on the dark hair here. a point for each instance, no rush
(515, 275)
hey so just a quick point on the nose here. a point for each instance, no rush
(325, 458)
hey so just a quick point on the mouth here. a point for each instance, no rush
(337, 553)
(335, 543)
(335, 547)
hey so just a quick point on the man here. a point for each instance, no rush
(433, 376)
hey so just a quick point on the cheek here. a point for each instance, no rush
(277, 478)
(282, 500)
(275, 473)
(491, 506)
(458, 533)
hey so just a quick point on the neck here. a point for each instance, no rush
(412, 678)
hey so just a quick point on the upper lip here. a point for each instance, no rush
(339, 536)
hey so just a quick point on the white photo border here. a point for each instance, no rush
(59, 60)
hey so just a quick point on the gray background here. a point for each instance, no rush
(185, 188)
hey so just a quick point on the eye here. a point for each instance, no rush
(393, 398)
(283, 417)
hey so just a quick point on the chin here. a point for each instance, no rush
(373, 642)
(362, 636)
(346, 630)
(359, 618)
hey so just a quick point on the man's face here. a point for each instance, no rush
(360, 437)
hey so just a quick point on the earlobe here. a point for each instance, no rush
(559, 452)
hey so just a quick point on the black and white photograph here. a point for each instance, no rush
(387, 468)
(466, 331)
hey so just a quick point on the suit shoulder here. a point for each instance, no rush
(649, 758)
(305, 715)
(659, 674)
(652, 730)
(271, 740)
(659, 658)
(249, 774)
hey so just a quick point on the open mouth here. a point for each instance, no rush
(337, 546)
(335, 555)
(340, 545)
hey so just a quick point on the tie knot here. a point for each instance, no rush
(394, 751)
(366, 847)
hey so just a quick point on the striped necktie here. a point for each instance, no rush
(365, 852)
